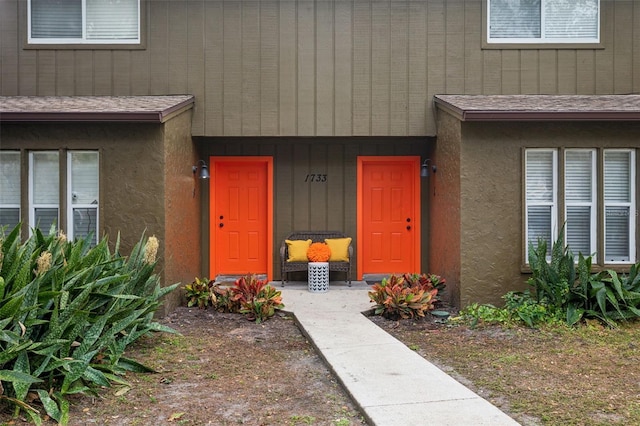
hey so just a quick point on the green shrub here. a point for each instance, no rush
(405, 296)
(198, 293)
(577, 292)
(67, 313)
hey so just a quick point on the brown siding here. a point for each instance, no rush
(300, 205)
(319, 67)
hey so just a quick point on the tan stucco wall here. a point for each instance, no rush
(146, 184)
(490, 188)
(182, 208)
(444, 207)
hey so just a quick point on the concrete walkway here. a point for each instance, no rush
(391, 384)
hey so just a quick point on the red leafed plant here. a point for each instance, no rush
(398, 297)
(250, 296)
(318, 252)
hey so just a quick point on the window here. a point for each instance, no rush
(83, 195)
(543, 21)
(44, 190)
(77, 185)
(580, 200)
(84, 21)
(619, 205)
(610, 239)
(9, 189)
(541, 189)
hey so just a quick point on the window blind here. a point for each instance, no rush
(515, 19)
(112, 19)
(10, 177)
(45, 190)
(46, 178)
(539, 176)
(84, 21)
(578, 228)
(579, 195)
(539, 225)
(579, 182)
(9, 189)
(56, 19)
(571, 18)
(618, 195)
(527, 21)
(83, 175)
(540, 196)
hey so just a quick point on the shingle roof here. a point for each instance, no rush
(155, 109)
(541, 107)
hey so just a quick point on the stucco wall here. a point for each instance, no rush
(144, 169)
(182, 207)
(492, 233)
(445, 205)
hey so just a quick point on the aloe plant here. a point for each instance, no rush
(67, 313)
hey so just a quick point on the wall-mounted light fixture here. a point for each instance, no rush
(424, 169)
(204, 171)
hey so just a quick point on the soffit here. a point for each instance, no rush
(145, 109)
(541, 107)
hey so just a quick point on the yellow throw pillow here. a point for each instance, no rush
(297, 250)
(339, 249)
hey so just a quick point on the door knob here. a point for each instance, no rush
(221, 225)
(408, 227)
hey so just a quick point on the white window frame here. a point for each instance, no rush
(70, 196)
(83, 39)
(13, 205)
(542, 39)
(32, 204)
(553, 204)
(631, 205)
(593, 219)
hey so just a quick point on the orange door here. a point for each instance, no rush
(389, 215)
(240, 216)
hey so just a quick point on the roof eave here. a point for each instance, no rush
(550, 116)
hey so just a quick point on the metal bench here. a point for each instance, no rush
(316, 237)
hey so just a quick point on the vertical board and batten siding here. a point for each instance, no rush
(300, 204)
(319, 67)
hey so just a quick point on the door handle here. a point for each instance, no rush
(408, 227)
(221, 225)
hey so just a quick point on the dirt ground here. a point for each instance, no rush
(221, 370)
(225, 370)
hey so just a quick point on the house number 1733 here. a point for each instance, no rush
(315, 178)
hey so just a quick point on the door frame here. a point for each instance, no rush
(213, 161)
(414, 163)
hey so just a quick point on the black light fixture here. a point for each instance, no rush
(204, 170)
(424, 169)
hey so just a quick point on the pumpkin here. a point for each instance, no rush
(318, 252)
